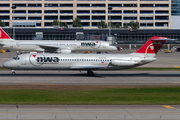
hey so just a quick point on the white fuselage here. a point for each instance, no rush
(43, 45)
(76, 61)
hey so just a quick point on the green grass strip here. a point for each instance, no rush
(110, 96)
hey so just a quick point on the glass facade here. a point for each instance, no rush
(175, 7)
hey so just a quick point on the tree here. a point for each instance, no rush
(55, 22)
(112, 25)
(117, 25)
(2, 23)
(61, 24)
(66, 25)
(77, 22)
(134, 25)
(101, 24)
(137, 24)
(126, 25)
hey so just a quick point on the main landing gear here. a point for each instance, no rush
(90, 72)
(13, 72)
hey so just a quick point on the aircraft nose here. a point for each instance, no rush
(7, 65)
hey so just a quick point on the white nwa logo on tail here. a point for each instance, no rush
(152, 47)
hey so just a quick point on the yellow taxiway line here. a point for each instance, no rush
(176, 66)
(167, 106)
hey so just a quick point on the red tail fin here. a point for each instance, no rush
(153, 45)
(3, 34)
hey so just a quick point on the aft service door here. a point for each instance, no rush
(23, 60)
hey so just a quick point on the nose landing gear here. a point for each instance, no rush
(13, 72)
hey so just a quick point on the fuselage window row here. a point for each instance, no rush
(84, 60)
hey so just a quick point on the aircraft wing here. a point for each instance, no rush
(87, 67)
(51, 48)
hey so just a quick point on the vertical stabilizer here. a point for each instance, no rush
(3, 35)
(152, 46)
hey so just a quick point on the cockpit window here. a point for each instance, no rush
(16, 58)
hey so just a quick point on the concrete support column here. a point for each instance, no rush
(107, 15)
(42, 15)
(122, 19)
(90, 21)
(154, 19)
(11, 14)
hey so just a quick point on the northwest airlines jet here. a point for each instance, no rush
(89, 62)
(59, 46)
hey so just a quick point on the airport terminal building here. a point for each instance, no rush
(122, 36)
(151, 14)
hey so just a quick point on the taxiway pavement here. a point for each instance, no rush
(89, 112)
(81, 78)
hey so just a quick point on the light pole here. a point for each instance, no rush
(13, 7)
(109, 8)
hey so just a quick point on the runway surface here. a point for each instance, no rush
(100, 78)
(90, 112)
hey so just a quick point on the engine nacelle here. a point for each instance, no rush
(124, 62)
(63, 51)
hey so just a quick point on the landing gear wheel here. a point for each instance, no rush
(90, 72)
(13, 73)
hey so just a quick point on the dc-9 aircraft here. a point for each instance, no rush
(89, 62)
(59, 46)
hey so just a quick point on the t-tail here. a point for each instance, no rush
(4, 35)
(152, 46)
